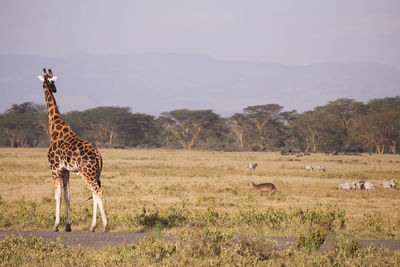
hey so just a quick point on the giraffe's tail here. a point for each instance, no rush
(88, 199)
(99, 159)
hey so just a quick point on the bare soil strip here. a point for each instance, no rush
(99, 240)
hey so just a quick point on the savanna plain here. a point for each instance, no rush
(198, 210)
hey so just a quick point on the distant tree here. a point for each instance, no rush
(114, 126)
(306, 128)
(101, 125)
(379, 129)
(378, 124)
(217, 135)
(266, 124)
(22, 124)
(188, 127)
(336, 119)
(241, 128)
(288, 136)
(140, 130)
(384, 104)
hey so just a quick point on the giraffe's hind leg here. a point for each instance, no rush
(102, 212)
(57, 195)
(98, 201)
(94, 185)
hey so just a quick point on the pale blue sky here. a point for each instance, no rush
(289, 32)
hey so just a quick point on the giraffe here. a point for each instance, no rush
(68, 153)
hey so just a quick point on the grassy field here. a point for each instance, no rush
(202, 197)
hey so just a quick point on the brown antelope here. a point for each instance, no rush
(265, 187)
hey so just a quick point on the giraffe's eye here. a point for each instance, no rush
(53, 87)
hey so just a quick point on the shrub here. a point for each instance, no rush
(205, 242)
(254, 247)
(311, 241)
(173, 218)
(154, 250)
(348, 247)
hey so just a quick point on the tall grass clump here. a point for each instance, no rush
(328, 218)
(24, 214)
(31, 251)
(311, 241)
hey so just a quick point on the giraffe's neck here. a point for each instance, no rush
(58, 127)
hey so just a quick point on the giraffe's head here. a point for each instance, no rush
(48, 80)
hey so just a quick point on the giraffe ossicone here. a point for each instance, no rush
(67, 152)
(41, 78)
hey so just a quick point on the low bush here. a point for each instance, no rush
(311, 241)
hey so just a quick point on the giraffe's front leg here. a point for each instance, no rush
(57, 196)
(65, 177)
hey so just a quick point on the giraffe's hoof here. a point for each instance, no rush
(55, 229)
(68, 227)
(92, 229)
(104, 230)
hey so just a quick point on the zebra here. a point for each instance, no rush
(347, 185)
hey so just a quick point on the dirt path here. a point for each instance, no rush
(84, 239)
(98, 240)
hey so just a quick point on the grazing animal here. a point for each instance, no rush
(68, 153)
(319, 168)
(389, 184)
(369, 186)
(309, 168)
(347, 185)
(253, 166)
(360, 185)
(266, 187)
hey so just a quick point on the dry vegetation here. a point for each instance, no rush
(202, 196)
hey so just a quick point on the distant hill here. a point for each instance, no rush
(153, 83)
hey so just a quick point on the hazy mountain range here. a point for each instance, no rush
(153, 83)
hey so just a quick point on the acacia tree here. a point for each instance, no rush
(266, 124)
(100, 125)
(241, 127)
(21, 124)
(188, 127)
(114, 126)
(336, 119)
(139, 130)
(288, 120)
(378, 124)
(379, 129)
(384, 104)
(306, 128)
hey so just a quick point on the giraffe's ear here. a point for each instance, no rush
(41, 78)
(53, 79)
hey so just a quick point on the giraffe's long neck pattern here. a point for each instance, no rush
(58, 127)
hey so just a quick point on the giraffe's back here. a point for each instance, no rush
(76, 155)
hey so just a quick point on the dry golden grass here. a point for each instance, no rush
(199, 180)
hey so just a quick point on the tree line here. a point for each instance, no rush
(342, 125)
